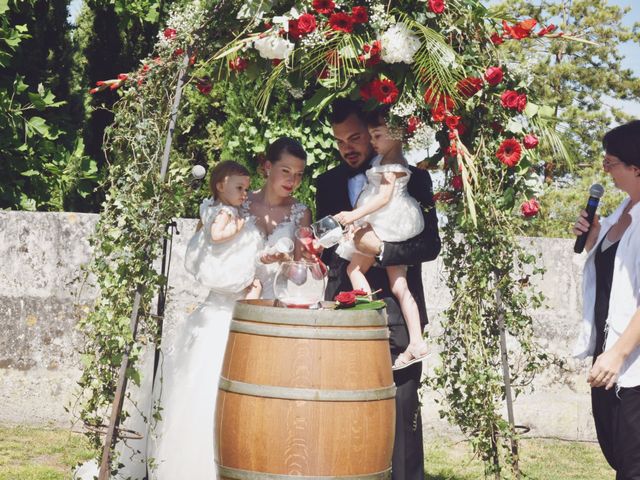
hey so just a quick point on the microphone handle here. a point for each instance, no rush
(581, 240)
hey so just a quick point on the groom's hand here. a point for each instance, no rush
(366, 241)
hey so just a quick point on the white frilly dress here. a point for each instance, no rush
(399, 220)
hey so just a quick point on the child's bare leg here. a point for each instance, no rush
(417, 347)
(253, 291)
(359, 265)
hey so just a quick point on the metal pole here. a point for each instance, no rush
(116, 408)
(506, 376)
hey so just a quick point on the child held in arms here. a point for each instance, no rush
(395, 216)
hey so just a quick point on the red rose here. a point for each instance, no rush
(509, 152)
(496, 39)
(461, 128)
(436, 6)
(323, 6)
(384, 91)
(451, 150)
(530, 208)
(522, 102)
(341, 22)
(509, 99)
(452, 121)
(169, 33)
(306, 23)
(359, 14)
(238, 64)
(346, 299)
(456, 182)
(530, 141)
(469, 86)
(412, 124)
(493, 76)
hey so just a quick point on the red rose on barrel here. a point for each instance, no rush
(346, 299)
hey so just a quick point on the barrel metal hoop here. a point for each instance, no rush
(311, 394)
(308, 332)
(238, 474)
(308, 317)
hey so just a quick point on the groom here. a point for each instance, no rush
(337, 190)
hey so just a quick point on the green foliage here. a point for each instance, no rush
(41, 170)
(581, 77)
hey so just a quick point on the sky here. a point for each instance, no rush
(630, 51)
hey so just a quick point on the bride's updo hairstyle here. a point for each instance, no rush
(223, 170)
(285, 145)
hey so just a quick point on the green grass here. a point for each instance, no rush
(540, 460)
(41, 454)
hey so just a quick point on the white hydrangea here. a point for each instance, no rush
(273, 47)
(399, 44)
(423, 138)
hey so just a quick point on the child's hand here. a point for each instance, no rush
(345, 218)
(240, 223)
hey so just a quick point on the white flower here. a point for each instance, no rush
(273, 47)
(399, 44)
(423, 138)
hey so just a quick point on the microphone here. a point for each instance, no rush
(595, 192)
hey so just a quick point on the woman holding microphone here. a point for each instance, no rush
(610, 329)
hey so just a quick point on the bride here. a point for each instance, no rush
(179, 444)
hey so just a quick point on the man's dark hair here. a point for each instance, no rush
(342, 108)
(378, 117)
(624, 142)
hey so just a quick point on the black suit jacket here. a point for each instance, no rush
(332, 196)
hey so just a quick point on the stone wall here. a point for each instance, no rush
(43, 292)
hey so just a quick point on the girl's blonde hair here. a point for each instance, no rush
(223, 170)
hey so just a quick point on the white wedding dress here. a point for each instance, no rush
(180, 445)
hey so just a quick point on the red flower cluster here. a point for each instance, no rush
(371, 55)
(436, 6)
(513, 100)
(469, 86)
(530, 208)
(301, 26)
(325, 7)
(493, 76)
(359, 14)
(509, 152)
(412, 124)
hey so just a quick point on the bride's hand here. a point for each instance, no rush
(267, 258)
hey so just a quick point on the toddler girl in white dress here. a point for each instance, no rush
(395, 216)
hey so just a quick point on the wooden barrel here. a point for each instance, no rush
(305, 394)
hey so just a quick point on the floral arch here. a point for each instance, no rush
(438, 65)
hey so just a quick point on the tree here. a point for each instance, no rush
(581, 77)
(42, 160)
